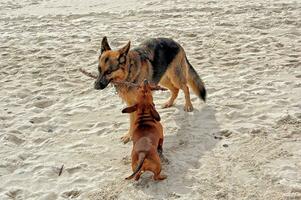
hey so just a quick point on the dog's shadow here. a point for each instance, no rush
(185, 142)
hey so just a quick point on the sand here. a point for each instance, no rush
(244, 143)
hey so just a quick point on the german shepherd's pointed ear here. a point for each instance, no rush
(155, 114)
(124, 50)
(123, 53)
(130, 109)
(104, 45)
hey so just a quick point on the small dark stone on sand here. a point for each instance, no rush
(218, 137)
(225, 145)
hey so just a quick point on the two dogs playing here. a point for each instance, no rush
(160, 61)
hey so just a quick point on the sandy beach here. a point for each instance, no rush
(244, 143)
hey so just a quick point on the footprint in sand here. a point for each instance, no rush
(49, 196)
(13, 139)
(71, 194)
(78, 168)
(43, 103)
(298, 76)
(15, 194)
(38, 120)
(40, 140)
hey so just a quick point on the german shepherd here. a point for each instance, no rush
(161, 61)
(147, 134)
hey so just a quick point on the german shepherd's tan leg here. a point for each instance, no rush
(128, 136)
(188, 105)
(178, 79)
(173, 90)
(130, 100)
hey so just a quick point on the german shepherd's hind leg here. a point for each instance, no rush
(188, 105)
(173, 91)
(178, 80)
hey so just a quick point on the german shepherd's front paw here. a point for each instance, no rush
(188, 108)
(126, 138)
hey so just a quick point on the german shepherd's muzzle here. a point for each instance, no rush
(101, 82)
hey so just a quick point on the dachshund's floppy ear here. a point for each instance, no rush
(104, 45)
(130, 109)
(155, 114)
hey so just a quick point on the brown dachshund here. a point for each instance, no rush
(147, 135)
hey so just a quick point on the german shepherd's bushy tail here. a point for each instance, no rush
(195, 82)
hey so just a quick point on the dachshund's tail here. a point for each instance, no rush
(141, 159)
